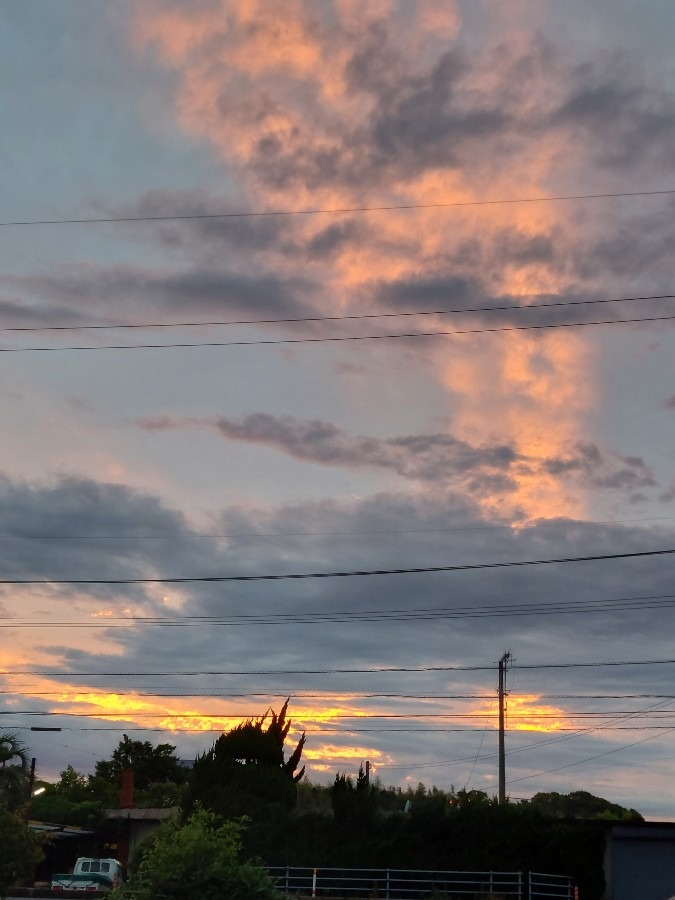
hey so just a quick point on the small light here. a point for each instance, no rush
(39, 790)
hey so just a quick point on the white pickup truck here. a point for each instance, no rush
(90, 874)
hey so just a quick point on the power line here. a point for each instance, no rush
(590, 758)
(622, 604)
(417, 570)
(325, 340)
(329, 717)
(355, 671)
(99, 220)
(536, 745)
(24, 690)
(353, 317)
(468, 730)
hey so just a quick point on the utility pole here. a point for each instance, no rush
(31, 778)
(503, 662)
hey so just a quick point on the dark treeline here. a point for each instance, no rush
(354, 822)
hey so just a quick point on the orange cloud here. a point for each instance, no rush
(299, 83)
(526, 713)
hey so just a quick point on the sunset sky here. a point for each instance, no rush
(389, 162)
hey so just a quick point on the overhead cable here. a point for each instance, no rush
(336, 671)
(621, 604)
(100, 220)
(416, 570)
(344, 318)
(326, 340)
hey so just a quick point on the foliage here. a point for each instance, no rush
(12, 751)
(582, 805)
(312, 798)
(81, 800)
(75, 799)
(150, 764)
(353, 804)
(246, 773)
(19, 850)
(197, 859)
(50, 807)
(14, 773)
(463, 799)
(452, 830)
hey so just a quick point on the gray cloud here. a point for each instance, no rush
(625, 119)
(385, 530)
(394, 530)
(464, 113)
(202, 290)
(431, 458)
(74, 528)
(427, 457)
(600, 470)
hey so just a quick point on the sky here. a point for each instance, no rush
(285, 289)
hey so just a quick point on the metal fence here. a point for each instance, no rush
(541, 885)
(415, 884)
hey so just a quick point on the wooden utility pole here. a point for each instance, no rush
(31, 779)
(503, 662)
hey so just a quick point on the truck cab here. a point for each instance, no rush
(90, 874)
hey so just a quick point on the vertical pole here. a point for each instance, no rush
(502, 752)
(31, 779)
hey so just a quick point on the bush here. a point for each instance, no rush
(197, 860)
(19, 850)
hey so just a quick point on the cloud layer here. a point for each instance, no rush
(340, 457)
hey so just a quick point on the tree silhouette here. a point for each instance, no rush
(245, 772)
(353, 805)
(14, 775)
(150, 764)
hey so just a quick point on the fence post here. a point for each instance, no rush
(314, 884)
(287, 878)
(491, 882)
(386, 894)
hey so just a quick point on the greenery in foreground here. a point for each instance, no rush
(196, 859)
(19, 848)
(353, 823)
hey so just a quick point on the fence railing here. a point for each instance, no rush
(413, 884)
(541, 885)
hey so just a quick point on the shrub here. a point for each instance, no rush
(197, 859)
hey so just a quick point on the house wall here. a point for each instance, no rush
(640, 863)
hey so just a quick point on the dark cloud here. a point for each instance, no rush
(196, 291)
(463, 112)
(75, 528)
(602, 470)
(484, 470)
(433, 457)
(625, 119)
(425, 118)
(385, 530)
(429, 291)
